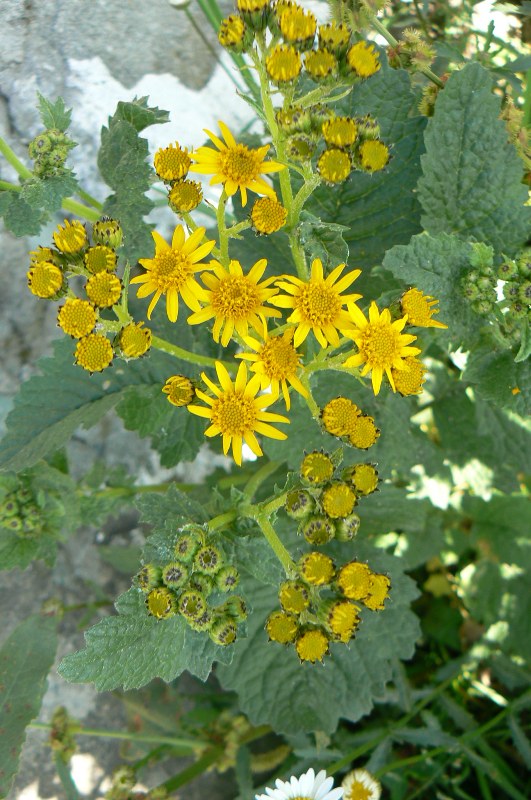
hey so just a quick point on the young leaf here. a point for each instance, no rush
(25, 660)
(54, 115)
(472, 176)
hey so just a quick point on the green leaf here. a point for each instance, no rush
(436, 265)
(25, 660)
(47, 194)
(172, 506)
(131, 649)
(17, 552)
(274, 688)
(19, 217)
(54, 115)
(323, 240)
(382, 209)
(472, 176)
(140, 115)
(52, 405)
(497, 378)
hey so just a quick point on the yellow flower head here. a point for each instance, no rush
(44, 279)
(71, 238)
(363, 433)
(77, 318)
(283, 64)
(236, 413)
(104, 289)
(171, 271)
(320, 63)
(381, 345)
(172, 163)
(281, 627)
(316, 568)
(180, 390)
(184, 196)
(94, 352)
(312, 645)
(374, 155)
(232, 32)
(334, 165)
(44, 254)
(294, 597)
(317, 467)
(235, 165)
(361, 785)
(297, 25)
(379, 586)
(334, 36)
(343, 618)
(363, 59)
(100, 259)
(276, 361)
(340, 131)
(420, 309)
(235, 300)
(339, 416)
(268, 215)
(134, 340)
(338, 500)
(363, 477)
(409, 381)
(354, 580)
(161, 603)
(318, 303)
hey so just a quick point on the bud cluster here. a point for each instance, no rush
(184, 584)
(49, 151)
(412, 52)
(55, 274)
(22, 511)
(321, 603)
(503, 295)
(123, 781)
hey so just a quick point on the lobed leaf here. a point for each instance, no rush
(54, 115)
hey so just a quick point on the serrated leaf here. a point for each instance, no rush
(472, 176)
(323, 240)
(382, 209)
(18, 552)
(274, 688)
(52, 405)
(495, 376)
(25, 660)
(158, 509)
(47, 193)
(19, 217)
(436, 265)
(140, 115)
(131, 649)
(54, 115)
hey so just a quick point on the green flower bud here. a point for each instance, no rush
(14, 524)
(507, 270)
(9, 507)
(300, 148)
(41, 144)
(518, 310)
(208, 560)
(189, 543)
(318, 115)
(223, 631)
(485, 284)
(299, 504)
(192, 604)
(202, 583)
(202, 623)
(175, 574)
(227, 579)
(346, 529)
(524, 292)
(470, 291)
(510, 290)
(482, 307)
(524, 267)
(294, 120)
(368, 127)
(482, 256)
(318, 530)
(107, 231)
(160, 603)
(148, 577)
(235, 607)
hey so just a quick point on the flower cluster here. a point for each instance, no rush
(342, 418)
(49, 151)
(172, 165)
(322, 603)
(26, 510)
(184, 584)
(54, 275)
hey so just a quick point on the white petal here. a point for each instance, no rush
(335, 794)
(324, 788)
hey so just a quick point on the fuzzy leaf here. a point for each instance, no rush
(54, 115)
(25, 660)
(158, 509)
(140, 115)
(274, 688)
(47, 193)
(19, 217)
(323, 240)
(495, 375)
(131, 649)
(472, 176)
(16, 552)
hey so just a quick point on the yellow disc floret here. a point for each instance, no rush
(374, 155)
(339, 416)
(281, 627)
(316, 568)
(312, 645)
(77, 318)
(334, 165)
(283, 64)
(45, 279)
(161, 603)
(363, 477)
(231, 32)
(354, 580)
(172, 163)
(70, 238)
(379, 586)
(134, 340)
(317, 467)
(268, 215)
(320, 64)
(343, 619)
(180, 390)
(409, 381)
(364, 433)
(297, 25)
(94, 352)
(184, 196)
(104, 289)
(340, 131)
(420, 309)
(361, 785)
(363, 60)
(44, 254)
(294, 597)
(338, 500)
(335, 37)
(100, 259)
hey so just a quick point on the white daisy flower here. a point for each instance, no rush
(360, 785)
(308, 787)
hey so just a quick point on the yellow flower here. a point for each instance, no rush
(340, 131)
(339, 416)
(343, 618)
(71, 238)
(94, 352)
(363, 59)
(268, 215)
(363, 433)
(235, 165)
(420, 308)
(354, 580)
(180, 390)
(334, 165)
(184, 196)
(379, 586)
(236, 413)
(281, 627)
(338, 500)
(297, 25)
(104, 289)
(381, 345)
(409, 381)
(283, 64)
(363, 477)
(231, 32)
(334, 37)
(317, 467)
(361, 785)
(320, 63)
(134, 340)
(294, 597)
(318, 303)
(44, 279)
(316, 568)
(77, 318)
(172, 163)
(171, 271)
(235, 300)
(276, 361)
(374, 155)
(100, 259)
(312, 645)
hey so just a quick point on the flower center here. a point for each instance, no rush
(235, 298)
(339, 416)
(239, 164)
(234, 414)
(170, 270)
(280, 358)
(380, 344)
(358, 792)
(319, 304)
(312, 646)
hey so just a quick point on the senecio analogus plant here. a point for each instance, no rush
(267, 324)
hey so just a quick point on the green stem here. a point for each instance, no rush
(234, 230)
(222, 520)
(382, 30)
(10, 187)
(275, 544)
(10, 156)
(67, 782)
(80, 210)
(185, 355)
(261, 475)
(222, 230)
(266, 509)
(189, 744)
(310, 184)
(90, 200)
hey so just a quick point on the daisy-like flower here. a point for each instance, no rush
(308, 787)
(235, 300)
(318, 303)
(276, 361)
(235, 165)
(236, 413)
(360, 785)
(420, 309)
(171, 271)
(381, 345)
